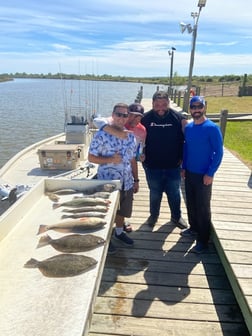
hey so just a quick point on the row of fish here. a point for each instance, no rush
(87, 213)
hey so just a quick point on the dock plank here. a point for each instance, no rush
(159, 287)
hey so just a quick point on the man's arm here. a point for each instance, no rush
(135, 174)
(110, 129)
(184, 122)
(116, 159)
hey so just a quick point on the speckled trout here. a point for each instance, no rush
(84, 214)
(74, 225)
(62, 265)
(97, 208)
(85, 201)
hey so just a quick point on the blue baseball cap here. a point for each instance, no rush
(197, 99)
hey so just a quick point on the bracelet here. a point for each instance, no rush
(136, 180)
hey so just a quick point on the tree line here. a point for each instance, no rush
(177, 80)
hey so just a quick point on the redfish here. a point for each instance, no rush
(84, 223)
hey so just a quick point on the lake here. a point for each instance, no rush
(34, 109)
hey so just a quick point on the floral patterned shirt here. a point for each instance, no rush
(104, 144)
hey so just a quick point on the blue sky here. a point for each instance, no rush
(127, 37)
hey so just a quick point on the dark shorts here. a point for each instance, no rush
(126, 203)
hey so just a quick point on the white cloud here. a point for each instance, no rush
(124, 38)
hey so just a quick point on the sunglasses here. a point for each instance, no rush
(121, 115)
(197, 107)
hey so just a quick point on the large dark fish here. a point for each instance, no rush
(96, 208)
(85, 214)
(78, 202)
(62, 265)
(107, 187)
(72, 243)
(84, 223)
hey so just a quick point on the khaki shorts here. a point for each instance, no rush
(126, 203)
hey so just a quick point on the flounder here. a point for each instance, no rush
(72, 243)
(62, 265)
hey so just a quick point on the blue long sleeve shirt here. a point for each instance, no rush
(203, 148)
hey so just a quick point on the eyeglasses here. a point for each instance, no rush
(121, 115)
(197, 107)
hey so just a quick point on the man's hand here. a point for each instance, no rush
(207, 180)
(116, 158)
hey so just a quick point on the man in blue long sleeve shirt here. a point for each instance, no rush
(203, 152)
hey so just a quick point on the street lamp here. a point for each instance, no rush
(193, 30)
(171, 54)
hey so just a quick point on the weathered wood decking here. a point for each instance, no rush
(160, 288)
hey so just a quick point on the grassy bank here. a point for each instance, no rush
(238, 139)
(232, 104)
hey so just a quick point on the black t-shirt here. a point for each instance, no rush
(164, 141)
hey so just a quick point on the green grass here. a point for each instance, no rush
(238, 139)
(232, 104)
(238, 136)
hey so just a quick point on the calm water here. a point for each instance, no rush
(33, 109)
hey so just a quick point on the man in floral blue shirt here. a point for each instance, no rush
(116, 159)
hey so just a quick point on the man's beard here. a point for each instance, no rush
(197, 115)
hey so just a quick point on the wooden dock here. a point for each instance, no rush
(161, 288)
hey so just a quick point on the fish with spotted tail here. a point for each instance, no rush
(74, 225)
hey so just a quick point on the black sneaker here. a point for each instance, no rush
(124, 239)
(200, 248)
(181, 223)
(112, 249)
(151, 221)
(188, 233)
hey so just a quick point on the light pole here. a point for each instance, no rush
(193, 30)
(171, 54)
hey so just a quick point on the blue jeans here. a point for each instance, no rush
(168, 181)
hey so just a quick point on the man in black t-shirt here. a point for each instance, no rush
(163, 156)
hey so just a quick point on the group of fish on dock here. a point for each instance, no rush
(85, 213)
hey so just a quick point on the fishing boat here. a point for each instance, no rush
(63, 155)
(34, 303)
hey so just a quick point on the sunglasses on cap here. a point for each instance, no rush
(197, 107)
(121, 115)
